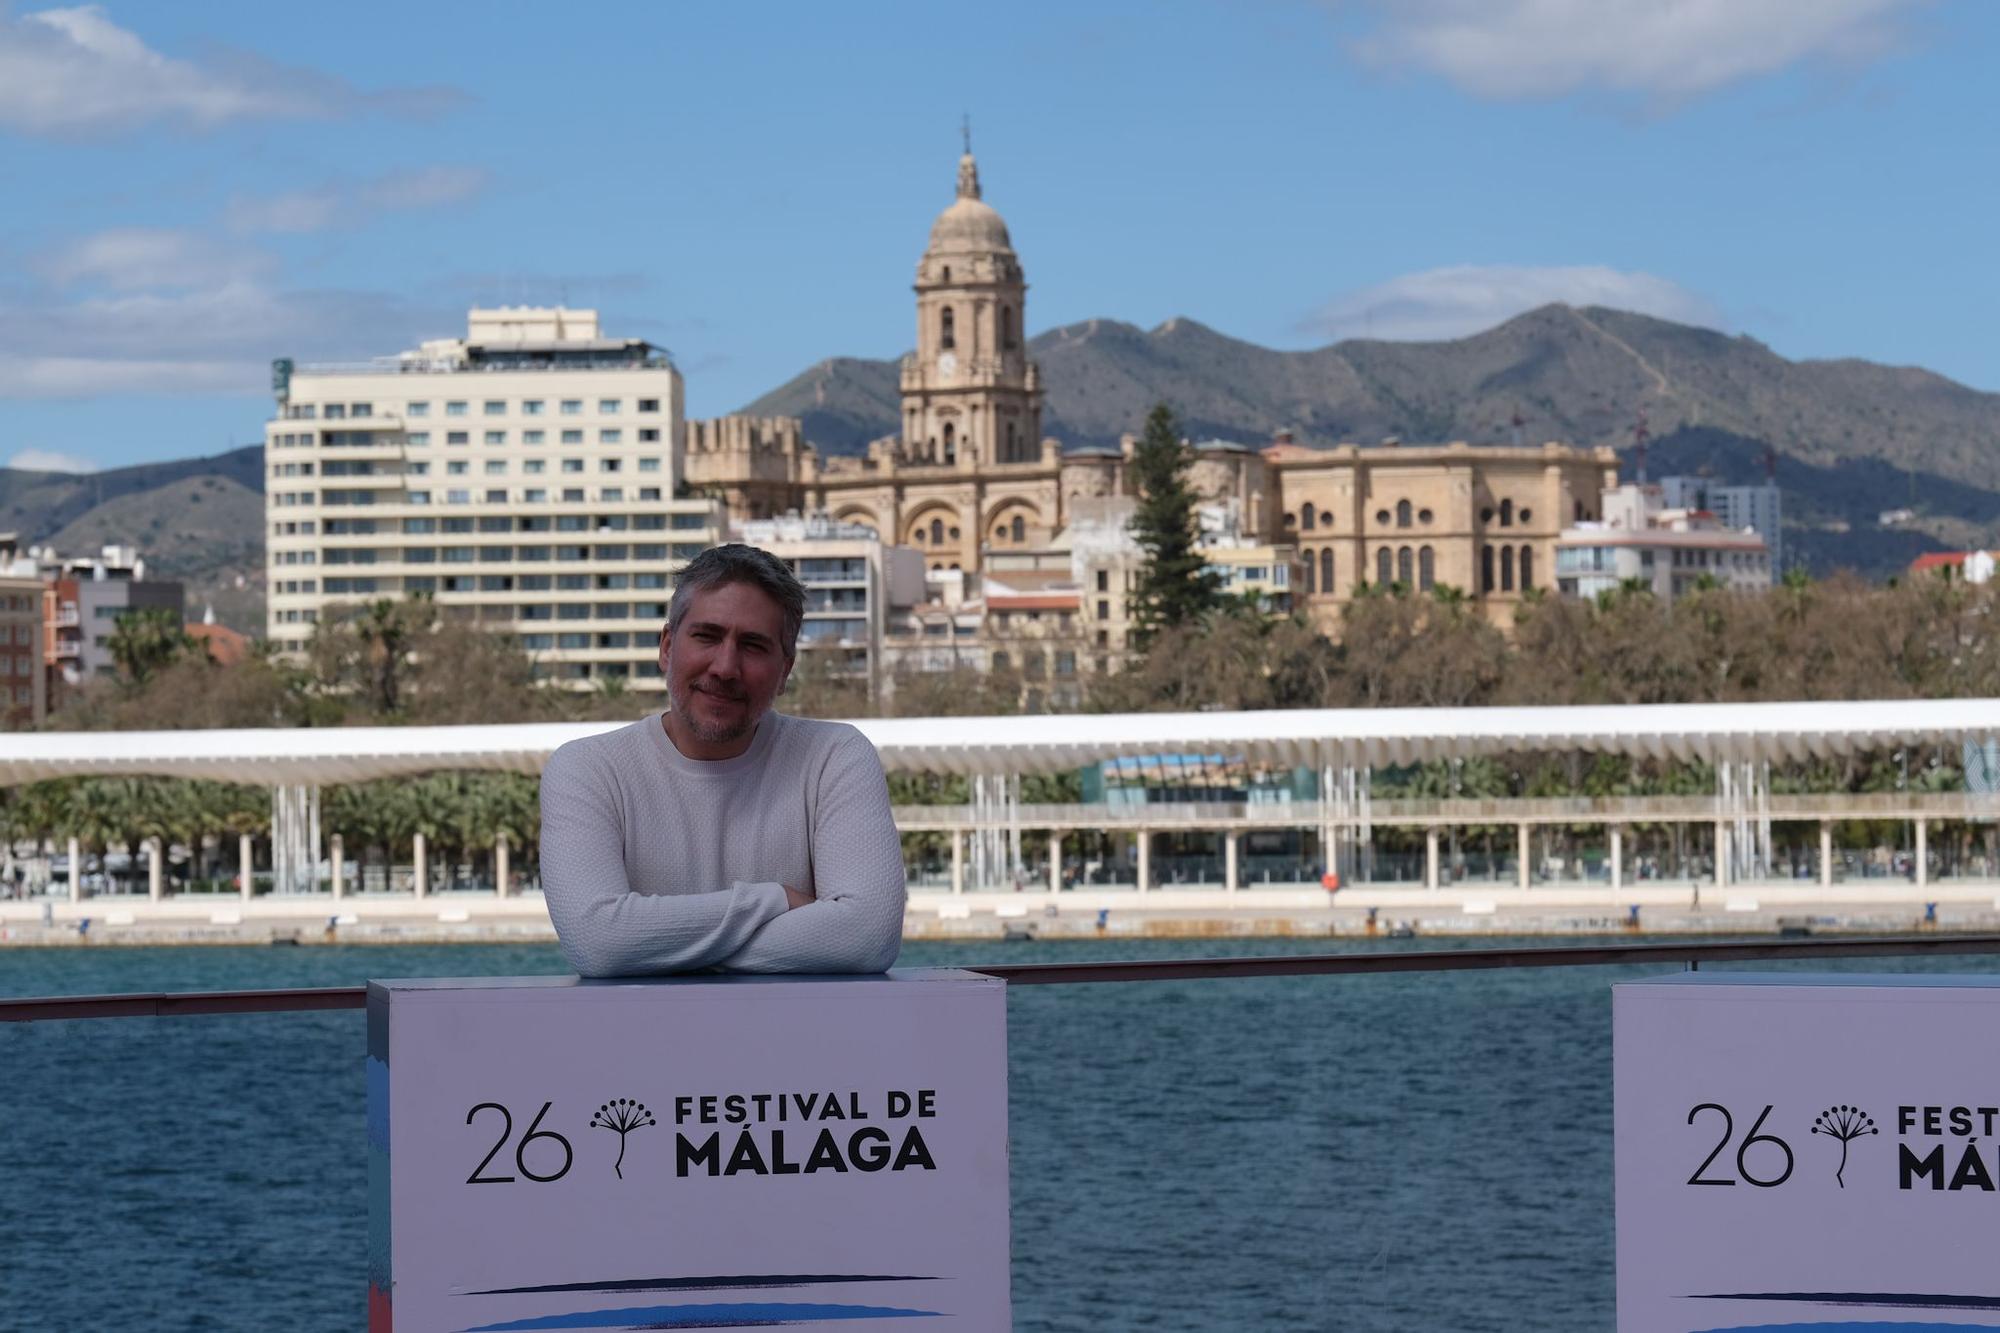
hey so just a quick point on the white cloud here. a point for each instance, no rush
(48, 460)
(162, 310)
(139, 258)
(1665, 50)
(75, 72)
(349, 205)
(1468, 298)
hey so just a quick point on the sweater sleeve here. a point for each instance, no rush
(606, 929)
(855, 922)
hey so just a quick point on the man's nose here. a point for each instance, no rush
(724, 662)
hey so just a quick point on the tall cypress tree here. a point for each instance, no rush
(1176, 586)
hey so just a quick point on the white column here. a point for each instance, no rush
(243, 851)
(336, 854)
(1055, 860)
(421, 855)
(1230, 877)
(1522, 876)
(501, 859)
(1923, 853)
(1826, 853)
(1617, 856)
(1721, 854)
(957, 861)
(1431, 876)
(1145, 860)
(75, 871)
(155, 868)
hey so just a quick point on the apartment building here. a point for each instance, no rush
(1760, 508)
(93, 591)
(524, 476)
(24, 699)
(1670, 551)
(854, 586)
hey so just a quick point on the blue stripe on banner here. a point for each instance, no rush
(721, 1283)
(745, 1315)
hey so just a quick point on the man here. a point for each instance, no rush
(720, 833)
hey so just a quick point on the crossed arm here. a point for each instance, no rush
(853, 923)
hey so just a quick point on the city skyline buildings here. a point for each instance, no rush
(316, 192)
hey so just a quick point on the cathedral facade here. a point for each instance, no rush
(970, 476)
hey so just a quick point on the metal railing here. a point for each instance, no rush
(166, 1004)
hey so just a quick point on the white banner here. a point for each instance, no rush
(698, 1152)
(1807, 1152)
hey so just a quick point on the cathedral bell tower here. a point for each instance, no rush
(971, 397)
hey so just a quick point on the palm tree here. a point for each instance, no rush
(145, 641)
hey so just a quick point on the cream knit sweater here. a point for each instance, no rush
(654, 862)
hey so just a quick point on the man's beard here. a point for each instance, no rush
(708, 733)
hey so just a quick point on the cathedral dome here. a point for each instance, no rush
(970, 225)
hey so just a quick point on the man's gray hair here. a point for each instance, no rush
(737, 563)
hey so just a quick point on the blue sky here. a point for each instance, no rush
(193, 189)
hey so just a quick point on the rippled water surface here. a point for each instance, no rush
(1421, 1151)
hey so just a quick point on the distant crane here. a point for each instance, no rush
(1640, 434)
(1515, 423)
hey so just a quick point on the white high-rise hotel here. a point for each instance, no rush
(523, 476)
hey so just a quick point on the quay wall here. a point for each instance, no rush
(1360, 911)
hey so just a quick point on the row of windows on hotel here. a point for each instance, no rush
(418, 439)
(490, 407)
(491, 611)
(457, 467)
(496, 555)
(1417, 568)
(492, 496)
(1405, 514)
(368, 527)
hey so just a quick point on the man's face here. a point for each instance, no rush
(724, 666)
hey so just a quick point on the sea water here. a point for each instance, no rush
(1422, 1151)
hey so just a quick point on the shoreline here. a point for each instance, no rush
(1359, 913)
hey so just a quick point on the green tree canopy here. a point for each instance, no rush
(1176, 586)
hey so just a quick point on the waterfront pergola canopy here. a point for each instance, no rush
(1009, 746)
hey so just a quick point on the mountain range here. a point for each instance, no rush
(1849, 439)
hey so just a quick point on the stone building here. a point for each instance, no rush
(970, 482)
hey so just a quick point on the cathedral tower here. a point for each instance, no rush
(971, 397)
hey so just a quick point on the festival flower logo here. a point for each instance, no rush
(1845, 1123)
(622, 1117)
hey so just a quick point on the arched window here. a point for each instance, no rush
(1527, 568)
(1326, 584)
(1506, 513)
(1385, 573)
(1426, 568)
(1307, 516)
(1402, 513)
(947, 273)
(1309, 574)
(1486, 569)
(1010, 440)
(1406, 571)
(947, 334)
(950, 443)
(1007, 326)
(1018, 529)
(937, 532)
(1506, 569)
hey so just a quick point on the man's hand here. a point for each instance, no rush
(793, 898)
